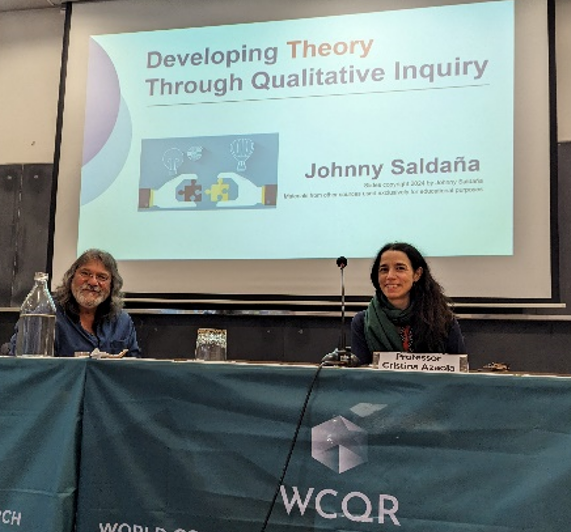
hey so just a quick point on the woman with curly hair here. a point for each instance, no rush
(409, 312)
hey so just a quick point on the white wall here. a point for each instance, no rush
(30, 55)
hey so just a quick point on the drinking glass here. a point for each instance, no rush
(210, 345)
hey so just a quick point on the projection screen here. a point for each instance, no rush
(219, 147)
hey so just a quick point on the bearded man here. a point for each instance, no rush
(90, 311)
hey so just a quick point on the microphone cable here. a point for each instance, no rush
(293, 442)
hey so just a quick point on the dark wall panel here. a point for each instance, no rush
(32, 229)
(527, 346)
(10, 188)
(263, 338)
(25, 210)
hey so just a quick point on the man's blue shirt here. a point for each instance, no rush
(111, 335)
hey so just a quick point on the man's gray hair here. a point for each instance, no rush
(112, 305)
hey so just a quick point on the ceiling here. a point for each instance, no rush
(19, 5)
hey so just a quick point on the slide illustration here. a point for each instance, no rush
(209, 173)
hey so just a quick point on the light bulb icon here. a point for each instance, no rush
(173, 159)
(242, 150)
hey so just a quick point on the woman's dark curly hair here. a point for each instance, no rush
(432, 314)
(112, 305)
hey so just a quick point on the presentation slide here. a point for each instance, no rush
(295, 139)
(238, 149)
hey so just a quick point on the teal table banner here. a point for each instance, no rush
(40, 423)
(181, 447)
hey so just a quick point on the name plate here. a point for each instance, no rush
(426, 362)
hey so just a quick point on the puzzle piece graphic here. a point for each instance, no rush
(189, 190)
(218, 191)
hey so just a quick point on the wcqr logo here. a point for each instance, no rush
(341, 445)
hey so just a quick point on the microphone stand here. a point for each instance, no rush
(340, 356)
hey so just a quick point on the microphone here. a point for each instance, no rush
(340, 356)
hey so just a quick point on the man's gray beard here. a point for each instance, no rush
(88, 303)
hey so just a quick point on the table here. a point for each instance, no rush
(40, 421)
(164, 446)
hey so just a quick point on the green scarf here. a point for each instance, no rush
(381, 322)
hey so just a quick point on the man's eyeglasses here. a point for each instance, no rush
(99, 277)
